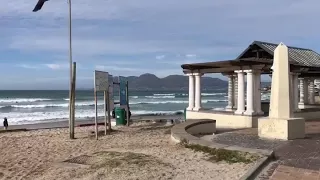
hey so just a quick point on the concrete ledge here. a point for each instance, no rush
(180, 133)
(225, 119)
(254, 171)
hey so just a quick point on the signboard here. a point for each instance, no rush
(111, 97)
(101, 80)
(123, 94)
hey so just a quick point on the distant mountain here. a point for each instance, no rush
(172, 82)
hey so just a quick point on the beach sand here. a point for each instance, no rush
(142, 151)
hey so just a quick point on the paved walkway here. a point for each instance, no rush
(297, 159)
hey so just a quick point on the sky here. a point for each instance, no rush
(132, 37)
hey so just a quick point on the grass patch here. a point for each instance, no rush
(216, 155)
(113, 159)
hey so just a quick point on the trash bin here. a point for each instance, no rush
(185, 114)
(120, 116)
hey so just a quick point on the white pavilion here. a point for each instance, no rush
(244, 85)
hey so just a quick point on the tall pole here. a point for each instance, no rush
(70, 62)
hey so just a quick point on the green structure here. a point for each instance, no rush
(120, 114)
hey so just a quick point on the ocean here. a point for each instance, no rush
(28, 107)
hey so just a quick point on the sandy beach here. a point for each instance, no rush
(141, 151)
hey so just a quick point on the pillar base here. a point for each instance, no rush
(260, 113)
(239, 112)
(249, 113)
(189, 108)
(301, 106)
(196, 108)
(284, 129)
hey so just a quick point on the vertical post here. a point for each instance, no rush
(311, 91)
(230, 93)
(250, 92)
(70, 63)
(72, 100)
(191, 92)
(258, 93)
(109, 117)
(96, 115)
(240, 94)
(235, 89)
(105, 94)
(127, 99)
(197, 105)
(301, 102)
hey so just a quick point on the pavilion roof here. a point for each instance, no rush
(260, 53)
(300, 56)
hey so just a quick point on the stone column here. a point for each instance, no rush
(191, 92)
(250, 92)
(257, 88)
(240, 101)
(235, 90)
(306, 91)
(197, 106)
(230, 93)
(295, 83)
(301, 101)
(311, 91)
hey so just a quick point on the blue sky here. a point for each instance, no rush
(140, 36)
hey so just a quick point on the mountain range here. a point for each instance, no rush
(173, 82)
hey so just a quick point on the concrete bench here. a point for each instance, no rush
(187, 130)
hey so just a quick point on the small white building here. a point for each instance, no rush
(243, 111)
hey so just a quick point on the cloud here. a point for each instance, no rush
(128, 36)
(57, 66)
(27, 66)
(159, 57)
(191, 55)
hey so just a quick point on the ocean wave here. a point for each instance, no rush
(212, 94)
(19, 100)
(37, 117)
(173, 102)
(48, 105)
(163, 94)
(158, 97)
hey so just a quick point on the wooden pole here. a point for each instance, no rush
(96, 115)
(127, 99)
(105, 94)
(109, 116)
(72, 100)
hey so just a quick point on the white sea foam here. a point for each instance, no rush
(36, 117)
(19, 100)
(163, 94)
(55, 105)
(212, 94)
(158, 97)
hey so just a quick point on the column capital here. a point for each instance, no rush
(239, 71)
(189, 74)
(301, 78)
(198, 74)
(249, 71)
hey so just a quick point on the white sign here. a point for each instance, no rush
(101, 80)
(111, 98)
